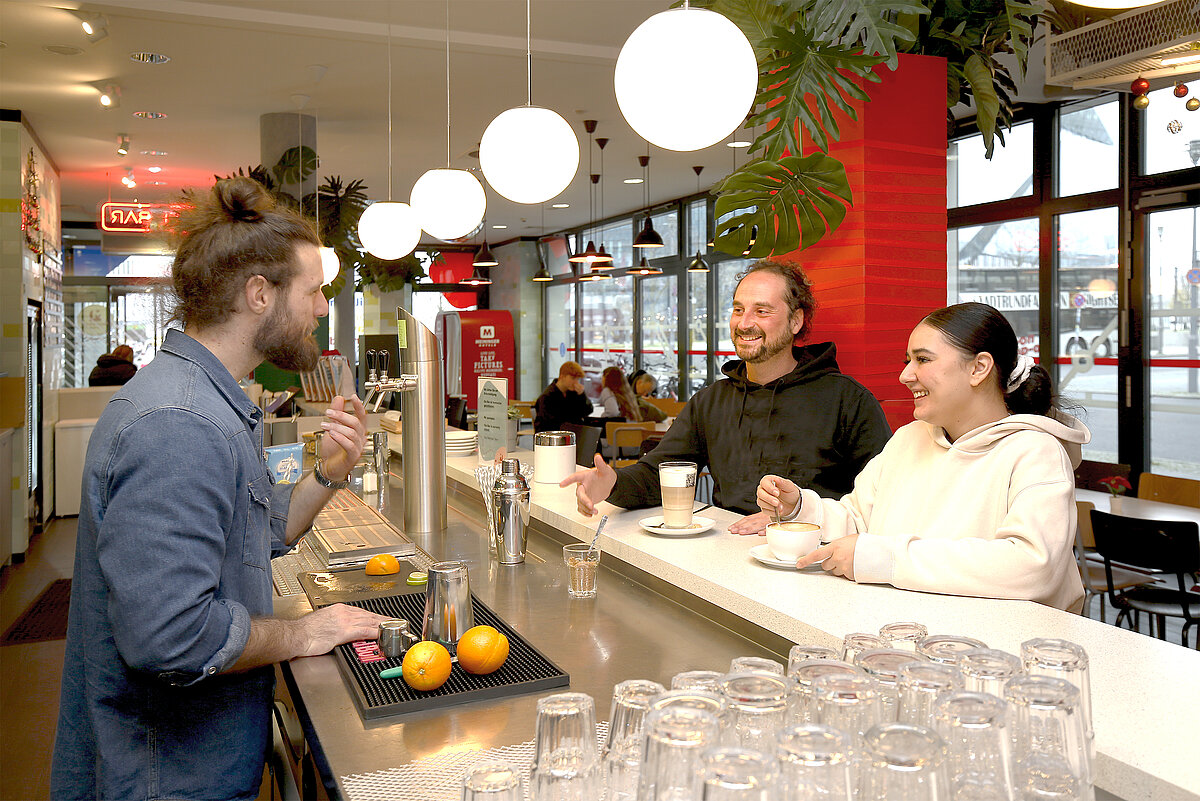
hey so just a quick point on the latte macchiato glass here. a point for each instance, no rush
(678, 483)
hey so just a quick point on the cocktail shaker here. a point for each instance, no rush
(448, 612)
(510, 513)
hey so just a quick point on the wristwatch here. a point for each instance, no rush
(324, 482)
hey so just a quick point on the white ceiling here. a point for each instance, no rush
(234, 60)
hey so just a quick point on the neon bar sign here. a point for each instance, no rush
(135, 218)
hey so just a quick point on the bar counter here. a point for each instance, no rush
(665, 605)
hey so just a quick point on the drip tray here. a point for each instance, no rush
(525, 671)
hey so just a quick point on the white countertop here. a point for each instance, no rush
(1146, 692)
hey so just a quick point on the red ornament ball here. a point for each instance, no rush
(1181, 89)
(1139, 86)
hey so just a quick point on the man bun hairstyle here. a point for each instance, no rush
(797, 288)
(976, 328)
(224, 238)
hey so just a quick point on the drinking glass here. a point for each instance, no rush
(676, 738)
(902, 762)
(804, 701)
(739, 774)
(854, 644)
(847, 702)
(1061, 659)
(698, 680)
(714, 703)
(814, 763)
(986, 670)
(903, 635)
(492, 781)
(946, 648)
(975, 728)
(883, 665)
(1050, 749)
(582, 567)
(622, 751)
(758, 705)
(677, 480)
(803, 653)
(755, 664)
(566, 763)
(920, 685)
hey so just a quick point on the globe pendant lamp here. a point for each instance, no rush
(449, 203)
(670, 87)
(529, 154)
(330, 265)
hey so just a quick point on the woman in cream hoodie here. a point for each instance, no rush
(977, 496)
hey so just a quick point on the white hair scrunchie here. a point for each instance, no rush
(1017, 377)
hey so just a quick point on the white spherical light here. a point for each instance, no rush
(330, 266)
(448, 203)
(692, 108)
(529, 154)
(389, 230)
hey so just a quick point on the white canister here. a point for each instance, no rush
(553, 456)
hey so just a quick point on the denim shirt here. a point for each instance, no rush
(178, 522)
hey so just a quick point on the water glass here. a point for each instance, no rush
(975, 728)
(946, 648)
(803, 653)
(698, 680)
(622, 751)
(920, 685)
(883, 664)
(755, 664)
(847, 702)
(814, 763)
(804, 700)
(854, 644)
(902, 762)
(714, 703)
(492, 781)
(1061, 659)
(758, 704)
(739, 774)
(986, 670)
(1050, 749)
(676, 738)
(582, 567)
(566, 762)
(903, 635)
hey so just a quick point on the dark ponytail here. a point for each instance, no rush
(976, 328)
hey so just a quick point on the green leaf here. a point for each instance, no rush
(756, 18)
(987, 102)
(1020, 15)
(807, 69)
(866, 23)
(295, 165)
(783, 205)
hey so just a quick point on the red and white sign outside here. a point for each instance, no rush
(487, 347)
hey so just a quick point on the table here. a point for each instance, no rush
(1137, 507)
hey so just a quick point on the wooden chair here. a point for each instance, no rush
(1089, 473)
(671, 406)
(622, 436)
(1091, 571)
(1170, 546)
(1169, 489)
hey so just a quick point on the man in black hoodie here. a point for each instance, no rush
(113, 369)
(782, 409)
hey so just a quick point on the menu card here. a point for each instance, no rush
(492, 420)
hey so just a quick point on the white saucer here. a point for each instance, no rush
(461, 435)
(762, 553)
(654, 526)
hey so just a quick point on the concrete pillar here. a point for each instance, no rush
(513, 289)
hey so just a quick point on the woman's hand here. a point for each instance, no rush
(838, 557)
(777, 495)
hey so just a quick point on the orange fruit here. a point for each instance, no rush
(383, 565)
(482, 650)
(426, 666)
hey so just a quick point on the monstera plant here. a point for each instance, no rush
(818, 57)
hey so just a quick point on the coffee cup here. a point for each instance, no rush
(791, 540)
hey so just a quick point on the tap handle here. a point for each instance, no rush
(371, 363)
(385, 356)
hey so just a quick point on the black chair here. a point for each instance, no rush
(1089, 473)
(456, 413)
(1169, 546)
(587, 443)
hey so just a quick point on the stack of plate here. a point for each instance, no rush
(461, 443)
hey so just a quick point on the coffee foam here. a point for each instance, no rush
(675, 476)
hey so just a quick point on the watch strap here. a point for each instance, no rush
(325, 482)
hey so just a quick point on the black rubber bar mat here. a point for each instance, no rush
(43, 620)
(525, 671)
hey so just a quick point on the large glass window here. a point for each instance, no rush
(1173, 340)
(660, 331)
(1088, 148)
(697, 343)
(667, 225)
(697, 240)
(607, 328)
(727, 274)
(560, 327)
(997, 264)
(1087, 323)
(617, 239)
(971, 178)
(1171, 136)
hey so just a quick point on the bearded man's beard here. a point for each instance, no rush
(765, 349)
(284, 343)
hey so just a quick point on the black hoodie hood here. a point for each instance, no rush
(812, 362)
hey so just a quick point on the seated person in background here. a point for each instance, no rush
(113, 369)
(643, 387)
(977, 497)
(563, 401)
(616, 396)
(781, 408)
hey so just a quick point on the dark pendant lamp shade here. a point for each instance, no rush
(542, 275)
(648, 237)
(603, 260)
(484, 257)
(698, 265)
(479, 277)
(643, 268)
(587, 255)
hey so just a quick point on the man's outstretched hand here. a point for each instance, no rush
(594, 485)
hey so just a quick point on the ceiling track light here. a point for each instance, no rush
(110, 94)
(128, 178)
(123, 145)
(95, 26)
